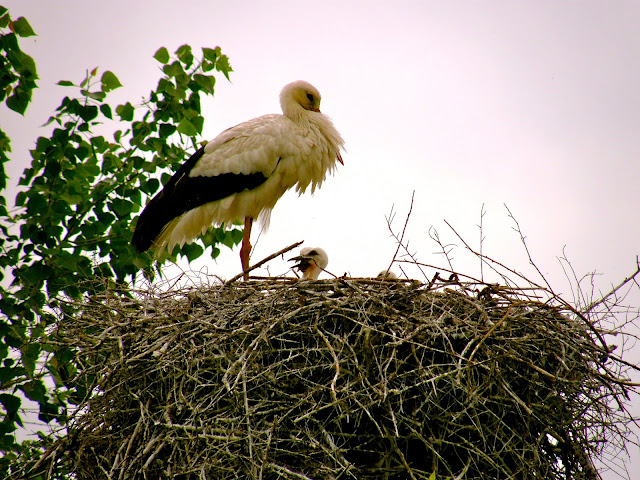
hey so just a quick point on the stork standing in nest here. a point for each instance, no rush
(240, 175)
(311, 262)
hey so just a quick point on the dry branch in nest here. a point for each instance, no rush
(345, 378)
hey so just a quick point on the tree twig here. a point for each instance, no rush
(604, 298)
(406, 222)
(399, 241)
(262, 262)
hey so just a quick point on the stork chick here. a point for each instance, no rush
(240, 175)
(387, 275)
(312, 261)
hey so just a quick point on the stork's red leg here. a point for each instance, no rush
(245, 250)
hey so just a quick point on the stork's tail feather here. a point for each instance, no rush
(184, 194)
(160, 210)
(150, 224)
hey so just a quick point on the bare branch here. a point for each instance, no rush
(623, 283)
(482, 213)
(404, 229)
(526, 247)
(400, 242)
(265, 260)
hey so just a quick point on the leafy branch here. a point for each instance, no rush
(69, 235)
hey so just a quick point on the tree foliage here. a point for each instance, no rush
(70, 233)
(18, 77)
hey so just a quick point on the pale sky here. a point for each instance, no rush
(535, 105)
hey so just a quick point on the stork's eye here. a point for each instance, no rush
(310, 97)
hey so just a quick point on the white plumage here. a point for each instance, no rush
(311, 261)
(241, 174)
(387, 275)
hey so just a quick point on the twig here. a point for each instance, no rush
(262, 262)
(489, 332)
(336, 362)
(482, 212)
(547, 289)
(616, 288)
(526, 248)
(433, 234)
(491, 260)
(406, 222)
(400, 240)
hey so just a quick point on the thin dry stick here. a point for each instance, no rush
(406, 222)
(526, 248)
(630, 278)
(572, 279)
(400, 240)
(495, 262)
(548, 290)
(489, 332)
(262, 262)
(482, 212)
(446, 249)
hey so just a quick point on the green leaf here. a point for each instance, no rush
(184, 55)
(166, 130)
(109, 81)
(237, 236)
(173, 70)
(79, 199)
(19, 101)
(88, 112)
(211, 54)
(192, 251)
(106, 111)
(22, 28)
(35, 390)
(30, 353)
(11, 403)
(152, 186)
(222, 65)
(185, 127)
(98, 96)
(8, 373)
(125, 112)
(27, 68)
(121, 207)
(162, 55)
(206, 82)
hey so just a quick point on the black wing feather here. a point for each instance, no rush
(183, 193)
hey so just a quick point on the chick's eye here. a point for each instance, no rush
(313, 252)
(310, 97)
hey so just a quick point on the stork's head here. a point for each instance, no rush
(299, 101)
(311, 262)
(386, 275)
(299, 94)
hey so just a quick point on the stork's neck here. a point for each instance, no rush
(299, 115)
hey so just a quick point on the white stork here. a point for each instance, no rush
(387, 275)
(312, 261)
(241, 174)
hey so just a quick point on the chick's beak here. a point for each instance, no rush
(304, 261)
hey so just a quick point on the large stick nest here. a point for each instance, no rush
(345, 378)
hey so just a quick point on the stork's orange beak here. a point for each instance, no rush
(339, 158)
